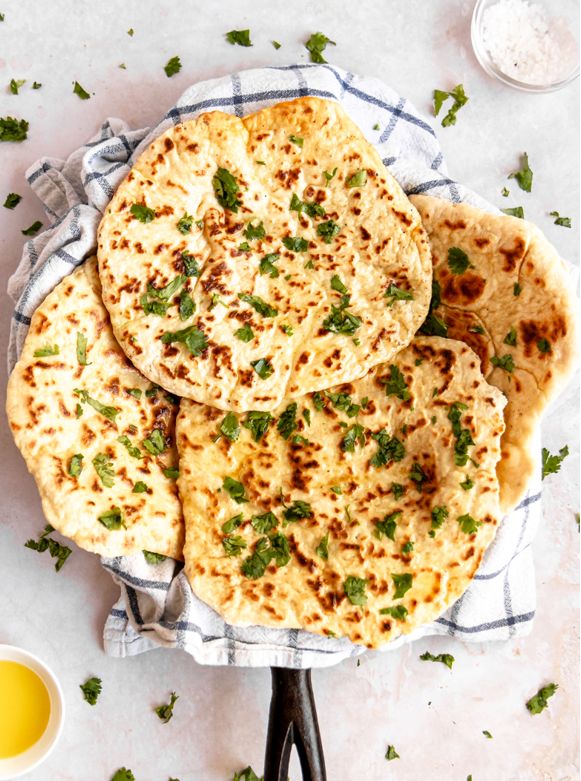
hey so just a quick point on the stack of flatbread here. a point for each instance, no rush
(333, 389)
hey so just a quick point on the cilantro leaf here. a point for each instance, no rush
(565, 222)
(267, 266)
(56, 550)
(194, 339)
(459, 99)
(297, 511)
(440, 96)
(155, 443)
(12, 200)
(15, 85)
(388, 525)
(82, 93)
(12, 129)
(468, 524)
(402, 584)
(257, 423)
(185, 223)
(33, 229)
(298, 140)
(232, 523)
(355, 434)
(112, 519)
(123, 775)
(104, 468)
(358, 179)
(505, 362)
(517, 211)
(153, 558)
(432, 325)
(258, 304)
(142, 212)
(551, 463)
(316, 46)
(230, 427)
(103, 409)
(247, 774)
(91, 690)
(328, 230)
(418, 476)
(171, 472)
(264, 523)
(239, 37)
(510, 338)
(82, 349)
(233, 545)
(263, 368)
(328, 176)
(173, 66)
(446, 659)
(355, 590)
(516, 289)
(388, 449)
(538, 702)
(75, 466)
(439, 515)
(322, 549)
(391, 753)
(139, 488)
(245, 334)
(340, 321)
(165, 712)
(399, 612)
(544, 346)
(395, 384)
(337, 284)
(458, 260)
(252, 232)
(524, 176)
(394, 293)
(48, 350)
(187, 307)
(226, 189)
(276, 44)
(295, 243)
(287, 422)
(235, 489)
(463, 436)
(191, 267)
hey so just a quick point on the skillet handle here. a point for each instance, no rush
(293, 720)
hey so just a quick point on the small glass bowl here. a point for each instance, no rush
(566, 10)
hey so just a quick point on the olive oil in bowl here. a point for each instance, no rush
(24, 708)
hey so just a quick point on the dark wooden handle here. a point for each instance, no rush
(293, 720)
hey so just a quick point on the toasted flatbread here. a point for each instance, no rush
(245, 260)
(95, 434)
(514, 305)
(363, 511)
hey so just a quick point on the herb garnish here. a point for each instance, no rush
(48, 350)
(355, 590)
(544, 346)
(257, 423)
(439, 515)
(191, 267)
(173, 66)
(186, 307)
(458, 260)
(259, 304)
(275, 547)
(104, 468)
(194, 339)
(12, 200)
(33, 229)
(123, 774)
(44, 542)
(395, 384)
(538, 702)
(340, 321)
(233, 545)
(391, 753)
(505, 362)
(15, 85)
(185, 223)
(103, 409)
(399, 612)
(171, 472)
(75, 466)
(510, 338)
(418, 475)
(463, 436)
(12, 129)
(398, 490)
(402, 584)
(230, 427)
(467, 484)
(355, 434)
(460, 99)
(245, 334)
(394, 293)
(328, 176)
(112, 519)
(296, 511)
(295, 243)
(344, 402)
(432, 325)
(155, 443)
(226, 189)
(287, 422)
(153, 558)
(524, 177)
(316, 46)
(328, 230)
(446, 659)
(516, 289)
(517, 211)
(298, 140)
(468, 524)
(142, 212)
(552, 464)
(235, 489)
(312, 208)
(388, 449)
(388, 525)
(267, 266)
(165, 712)
(565, 222)
(276, 44)
(263, 368)
(358, 179)
(139, 488)
(322, 549)
(247, 774)
(264, 523)
(91, 690)
(239, 37)
(82, 93)
(232, 523)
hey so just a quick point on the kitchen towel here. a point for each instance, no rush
(157, 606)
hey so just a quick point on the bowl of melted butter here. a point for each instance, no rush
(31, 711)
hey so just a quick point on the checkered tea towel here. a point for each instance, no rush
(156, 606)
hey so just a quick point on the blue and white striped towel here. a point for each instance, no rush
(157, 606)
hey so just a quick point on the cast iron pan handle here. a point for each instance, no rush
(293, 720)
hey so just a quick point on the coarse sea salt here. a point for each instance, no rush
(527, 44)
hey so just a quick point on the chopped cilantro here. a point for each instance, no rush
(263, 368)
(538, 702)
(12, 129)
(446, 659)
(418, 475)
(226, 189)
(467, 484)
(468, 524)
(398, 490)
(517, 211)
(407, 547)
(388, 449)
(322, 549)
(399, 612)
(487, 734)
(257, 423)
(78, 90)
(230, 427)
(153, 558)
(295, 243)
(81, 349)
(33, 229)
(432, 325)
(524, 176)
(235, 489)
(56, 550)
(458, 260)
(12, 200)
(194, 339)
(103, 409)
(258, 304)
(245, 334)
(340, 321)
(355, 590)
(564, 222)
(45, 352)
(439, 515)
(505, 362)
(91, 690)
(297, 511)
(142, 212)
(276, 44)
(165, 712)
(394, 293)
(505, 192)
(391, 753)
(233, 545)
(232, 523)
(267, 264)
(264, 523)
(316, 46)
(275, 547)
(252, 232)
(312, 208)
(298, 140)
(343, 402)
(191, 267)
(155, 443)
(355, 434)
(459, 99)
(328, 176)
(358, 179)
(402, 584)
(187, 307)
(123, 774)
(328, 230)
(510, 338)
(185, 223)
(463, 436)
(112, 519)
(395, 384)
(171, 472)
(247, 774)
(104, 468)
(172, 66)
(239, 37)
(544, 346)
(516, 289)
(388, 525)
(552, 464)
(75, 466)
(287, 329)
(287, 422)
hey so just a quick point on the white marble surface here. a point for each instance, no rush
(220, 719)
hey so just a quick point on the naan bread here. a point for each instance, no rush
(370, 281)
(51, 409)
(515, 307)
(328, 470)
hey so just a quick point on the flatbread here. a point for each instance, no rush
(278, 158)
(480, 307)
(348, 486)
(49, 406)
